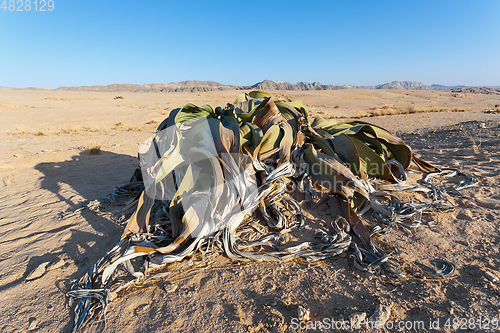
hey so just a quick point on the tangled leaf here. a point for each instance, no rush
(230, 180)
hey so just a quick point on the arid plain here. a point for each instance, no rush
(46, 168)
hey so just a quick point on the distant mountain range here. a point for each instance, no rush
(202, 86)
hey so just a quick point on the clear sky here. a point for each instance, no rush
(243, 42)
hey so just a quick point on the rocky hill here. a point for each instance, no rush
(202, 86)
(283, 85)
(405, 85)
(442, 87)
(184, 86)
(478, 90)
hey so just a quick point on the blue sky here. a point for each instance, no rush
(244, 42)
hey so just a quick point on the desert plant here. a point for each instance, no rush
(89, 128)
(93, 146)
(94, 149)
(206, 171)
(18, 131)
(69, 130)
(475, 145)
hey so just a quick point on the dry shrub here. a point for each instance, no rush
(409, 109)
(94, 148)
(90, 129)
(18, 131)
(128, 127)
(152, 122)
(69, 130)
(359, 116)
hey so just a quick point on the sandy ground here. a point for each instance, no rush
(46, 168)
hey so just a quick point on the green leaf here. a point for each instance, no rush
(321, 123)
(246, 110)
(270, 143)
(345, 148)
(371, 163)
(193, 112)
(259, 94)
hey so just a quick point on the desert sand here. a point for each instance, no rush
(46, 168)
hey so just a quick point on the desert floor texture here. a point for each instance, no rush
(46, 169)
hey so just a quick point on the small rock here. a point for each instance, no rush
(274, 303)
(56, 265)
(141, 308)
(112, 295)
(381, 315)
(39, 271)
(304, 313)
(45, 267)
(466, 215)
(356, 319)
(490, 276)
(32, 325)
(217, 307)
(170, 288)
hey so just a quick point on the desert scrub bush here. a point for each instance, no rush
(400, 109)
(90, 129)
(69, 130)
(359, 116)
(118, 125)
(94, 147)
(94, 150)
(18, 131)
